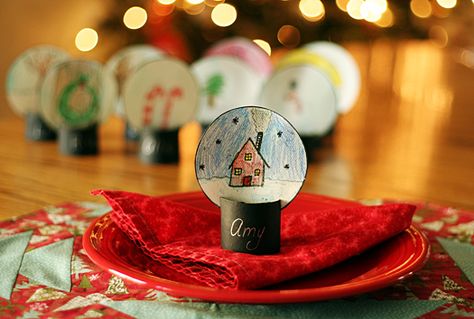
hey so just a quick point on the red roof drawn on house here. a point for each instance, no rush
(256, 151)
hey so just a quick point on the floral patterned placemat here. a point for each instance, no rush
(45, 273)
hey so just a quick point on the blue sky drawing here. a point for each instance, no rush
(224, 138)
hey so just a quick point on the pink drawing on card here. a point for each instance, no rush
(292, 96)
(248, 166)
(157, 93)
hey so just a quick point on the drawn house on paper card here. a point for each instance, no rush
(248, 166)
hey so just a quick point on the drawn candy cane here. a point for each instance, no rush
(154, 93)
(175, 93)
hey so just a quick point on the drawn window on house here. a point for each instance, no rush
(248, 157)
(237, 171)
(256, 172)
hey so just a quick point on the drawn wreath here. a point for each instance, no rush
(68, 113)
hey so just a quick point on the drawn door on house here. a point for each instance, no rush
(248, 180)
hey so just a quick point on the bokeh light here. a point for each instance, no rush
(386, 20)
(439, 36)
(194, 9)
(224, 15)
(467, 58)
(440, 12)
(264, 45)
(135, 18)
(448, 4)
(166, 1)
(421, 8)
(342, 4)
(195, 1)
(163, 9)
(213, 3)
(86, 39)
(353, 8)
(371, 11)
(312, 10)
(289, 36)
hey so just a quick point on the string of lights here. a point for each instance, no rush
(212, 20)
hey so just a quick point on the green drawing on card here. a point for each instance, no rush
(78, 102)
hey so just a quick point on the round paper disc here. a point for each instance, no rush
(251, 155)
(161, 94)
(245, 50)
(126, 60)
(225, 82)
(302, 56)
(304, 96)
(77, 94)
(347, 68)
(26, 75)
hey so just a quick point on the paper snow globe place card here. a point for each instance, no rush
(302, 91)
(121, 65)
(226, 82)
(24, 80)
(160, 96)
(346, 67)
(76, 96)
(251, 163)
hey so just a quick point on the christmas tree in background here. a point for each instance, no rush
(187, 28)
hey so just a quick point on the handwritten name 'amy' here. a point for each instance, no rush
(253, 234)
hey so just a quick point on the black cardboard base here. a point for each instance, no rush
(159, 146)
(311, 143)
(37, 130)
(82, 141)
(250, 228)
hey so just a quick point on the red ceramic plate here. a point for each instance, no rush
(381, 266)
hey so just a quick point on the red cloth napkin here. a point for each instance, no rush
(187, 238)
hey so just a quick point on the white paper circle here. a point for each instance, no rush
(304, 96)
(246, 51)
(109, 94)
(77, 94)
(26, 76)
(161, 94)
(347, 68)
(251, 155)
(125, 61)
(225, 82)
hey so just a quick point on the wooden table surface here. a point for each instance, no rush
(409, 137)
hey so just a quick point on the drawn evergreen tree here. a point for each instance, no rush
(213, 88)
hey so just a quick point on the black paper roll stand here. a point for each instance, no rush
(311, 144)
(37, 129)
(159, 146)
(250, 228)
(315, 142)
(79, 141)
